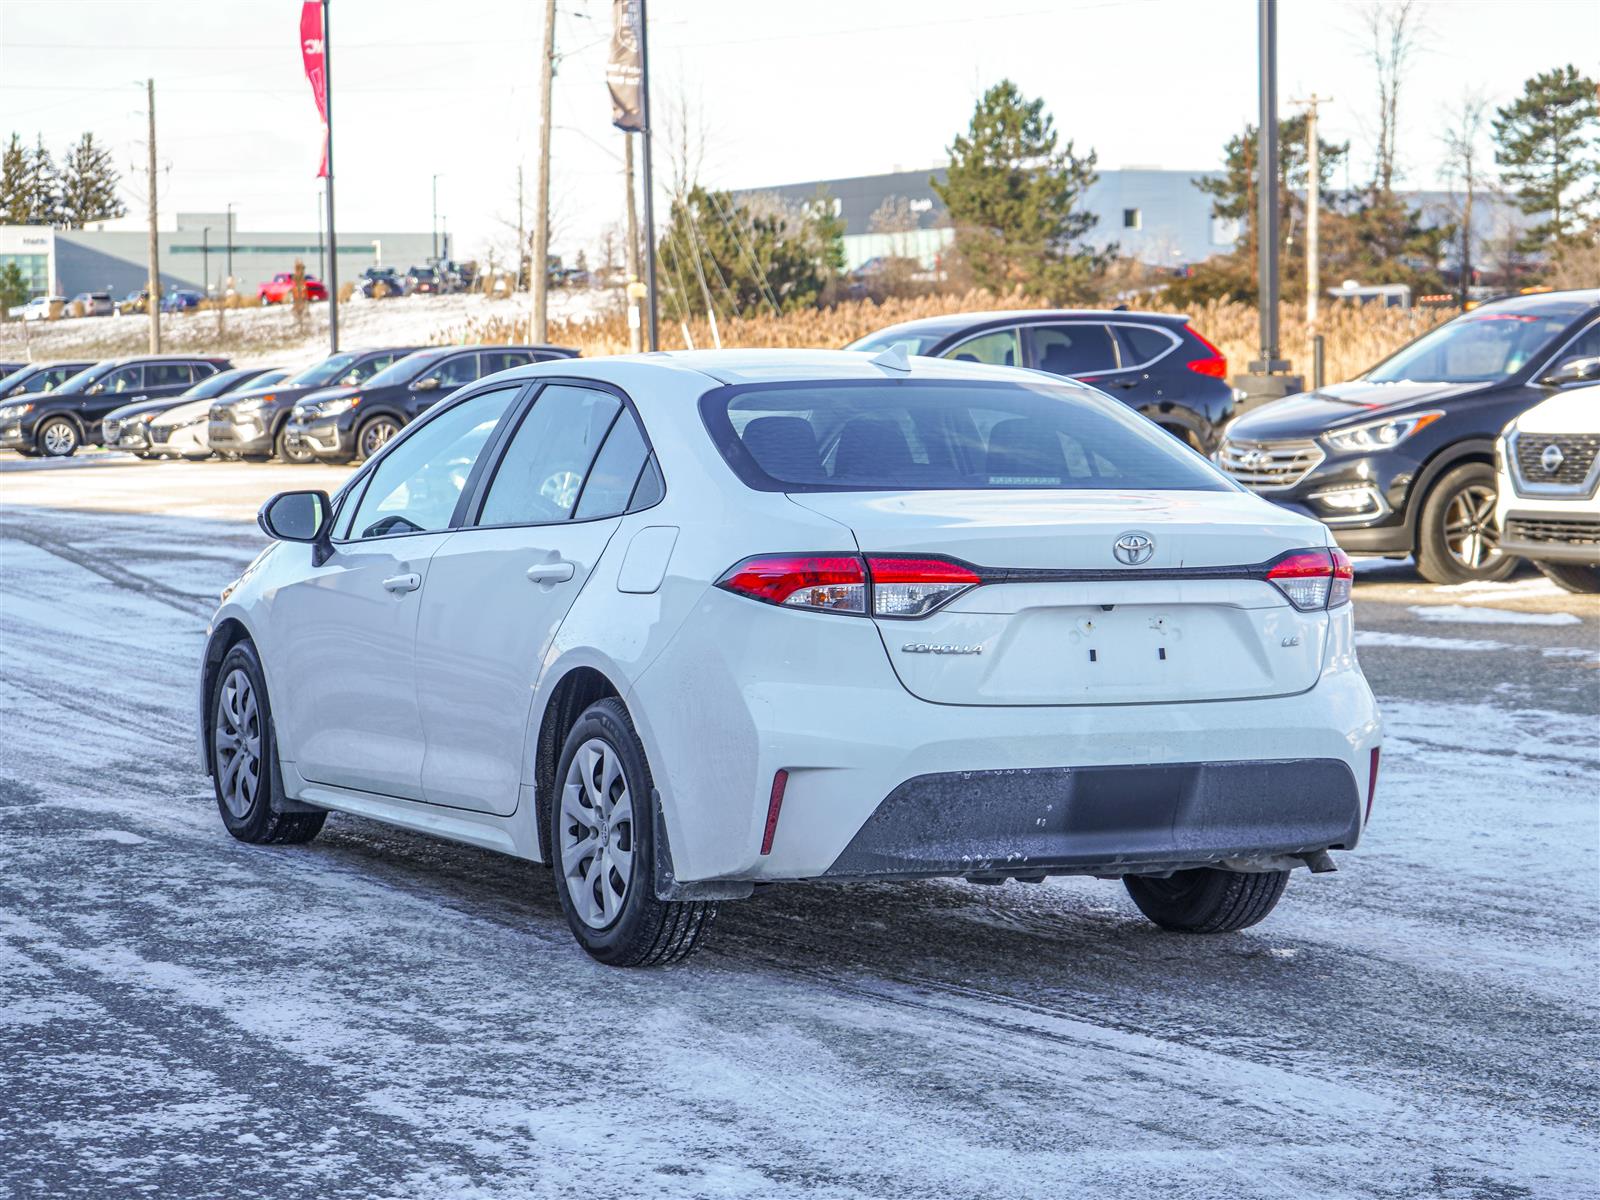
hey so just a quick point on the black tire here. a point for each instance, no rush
(1460, 495)
(256, 822)
(645, 932)
(1572, 577)
(1208, 899)
(57, 437)
(287, 453)
(377, 431)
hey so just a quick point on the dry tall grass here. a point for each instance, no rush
(1355, 337)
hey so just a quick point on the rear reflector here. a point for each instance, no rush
(780, 782)
(823, 583)
(1372, 783)
(914, 587)
(1313, 579)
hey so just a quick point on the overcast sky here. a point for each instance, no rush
(780, 92)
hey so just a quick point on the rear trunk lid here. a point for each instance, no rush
(1061, 620)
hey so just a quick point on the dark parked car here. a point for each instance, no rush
(59, 422)
(1153, 362)
(393, 284)
(28, 379)
(1401, 459)
(423, 279)
(251, 424)
(341, 424)
(128, 427)
(181, 300)
(10, 368)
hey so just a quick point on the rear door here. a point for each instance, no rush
(498, 590)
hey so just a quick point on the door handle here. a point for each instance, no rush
(551, 572)
(403, 583)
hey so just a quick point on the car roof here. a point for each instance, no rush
(959, 322)
(1538, 303)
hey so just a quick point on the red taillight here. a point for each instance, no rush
(1372, 783)
(780, 782)
(1313, 579)
(827, 583)
(900, 587)
(1215, 365)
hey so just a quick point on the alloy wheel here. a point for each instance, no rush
(237, 739)
(1469, 529)
(597, 839)
(60, 439)
(375, 436)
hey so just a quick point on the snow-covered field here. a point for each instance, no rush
(261, 336)
(380, 1015)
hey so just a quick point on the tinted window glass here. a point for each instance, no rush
(1142, 344)
(1585, 345)
(454, 372)
(416, 486)
(854, 437)
(542, 473)
(125, 380)
(168, 375)
(367, 368)
(1073, 349)
(649, 489)
(615, 471)
(324, 372)
(999, 349)
(504, 360)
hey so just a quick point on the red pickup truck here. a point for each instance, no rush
(280, 289)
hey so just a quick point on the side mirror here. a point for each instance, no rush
(1578, 370)
(97, 389)
(350, 378)
(425, 385)
(296, 517)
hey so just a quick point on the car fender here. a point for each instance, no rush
(1472, 449)
(83, 431)
(230, 624)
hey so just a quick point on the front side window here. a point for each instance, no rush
(542, 474)
(1078, 349)
(416, 486)
(923, 435)
(367, 368)
(998, 349)
(887, 339)
(126, 380)
(325, 372)
(455, 372)
(1585, 345)
(1476, 348)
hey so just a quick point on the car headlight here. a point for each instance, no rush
(242, 407)
(1380, 434)
(12, 412)
(332, 408)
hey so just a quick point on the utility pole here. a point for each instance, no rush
(1313, 204)
(522, 234)
(153, 304)
(649, 178)
(230, 246)
(205, 260)
(322, 255)
(435, 220)
(635, 333)
(541, 215)
(332, 278)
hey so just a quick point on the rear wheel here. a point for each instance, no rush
(1208, 899)
(374, 435)
(244, 757)
(1458, 540)
(58, 438)
(602, 843)
(1572, 577)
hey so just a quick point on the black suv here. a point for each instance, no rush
(1153, 362)
(58, 422)
(251, 424)
(341, 424)
(28, 379)
(1401, 460)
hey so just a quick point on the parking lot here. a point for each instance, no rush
(379, 1014)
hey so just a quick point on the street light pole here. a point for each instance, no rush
(230, 243)
(332, 279)
(649, 178)
(436, 220)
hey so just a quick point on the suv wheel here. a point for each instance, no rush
(286, 452)
(375, 435)
(244, 756)
(1573, 577)
(602, 846)
(57, 438)
(1207, 900)
(1457, 538)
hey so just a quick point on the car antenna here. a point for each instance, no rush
(892, 359)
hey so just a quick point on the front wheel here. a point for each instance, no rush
(375, 435)
(290, 453)
(1208, 899)
(1572, 577)
(1458, 540)
(244, 757)
(58, 438)
(602, 843)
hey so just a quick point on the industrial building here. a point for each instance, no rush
(201, 253)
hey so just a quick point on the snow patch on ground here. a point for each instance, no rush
(1378, 638)
(119, 836)
(1490, 616)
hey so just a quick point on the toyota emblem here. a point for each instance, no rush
(1552, 458)
(1134, 547)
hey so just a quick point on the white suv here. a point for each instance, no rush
(1548, 507)
(684, 624)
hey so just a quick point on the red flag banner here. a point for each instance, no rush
(311, 49)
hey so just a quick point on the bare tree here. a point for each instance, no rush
(1395, 32)
(1463, 163)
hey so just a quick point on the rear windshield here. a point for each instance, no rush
(911, 435)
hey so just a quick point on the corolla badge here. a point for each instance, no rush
(940, 648)
(1552, 458)
(1134, 547)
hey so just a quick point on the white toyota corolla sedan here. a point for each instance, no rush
(684, 624)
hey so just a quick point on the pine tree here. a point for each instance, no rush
(1547, 143)
(1015, 200)
(13, 288)
(13, 183)
(41, 187)
(89, 185)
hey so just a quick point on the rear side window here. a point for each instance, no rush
(1076, 349)
(915, 435)
(542, 474)
(1143, 344)
(504, 360)
(615, 472)
(168, 375)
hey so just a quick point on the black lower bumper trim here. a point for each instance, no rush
(1105, 820)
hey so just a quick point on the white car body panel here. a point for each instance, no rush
(1565, 508)
(423, 708)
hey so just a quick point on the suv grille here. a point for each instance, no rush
(1267, 466)
(1582, 531)
(160, 433)
(1574, 455)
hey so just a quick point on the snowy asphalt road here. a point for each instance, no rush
(380, 1015)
